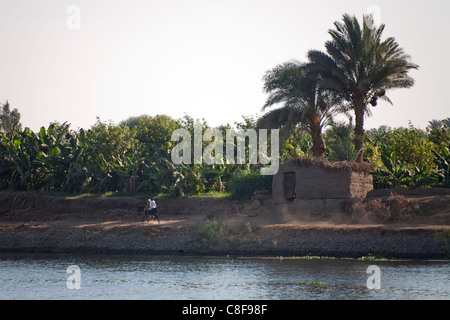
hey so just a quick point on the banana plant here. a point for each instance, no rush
(442, 161)
(395, 174)
(421, 176)
(16, 154)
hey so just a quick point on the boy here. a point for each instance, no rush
(150, 209)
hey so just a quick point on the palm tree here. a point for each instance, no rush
(433, 124)
(339, 139)
(361, 67)
(303, 102)
(446, 122)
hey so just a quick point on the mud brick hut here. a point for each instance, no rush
(320, 179)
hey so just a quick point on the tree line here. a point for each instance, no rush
(134, 157)
(357, 69)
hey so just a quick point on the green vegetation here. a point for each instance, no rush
(312, 283)
(243, 184)
(376, 257)
(360, 67)
(8, 118)
(444, 237)
(211, 233)
(305, 103)
(409, 157)
(133, 157)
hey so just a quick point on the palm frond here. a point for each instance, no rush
(300, 98)
(358, 63)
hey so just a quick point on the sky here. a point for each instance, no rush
(73, 61)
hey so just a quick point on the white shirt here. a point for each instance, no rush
(152, 204)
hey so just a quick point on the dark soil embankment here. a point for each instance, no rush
(42, 223)
(26, 207)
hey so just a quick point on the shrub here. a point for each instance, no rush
(396, 208)
(404, 157)
(211, 233)
(243, 184)
(444, 237)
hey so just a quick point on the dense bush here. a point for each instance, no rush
(135, 157)
(409, 157)
(243, 184)
(131, 157)
(396, 208)
(211, 233)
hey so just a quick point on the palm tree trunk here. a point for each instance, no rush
(359, 130)
(318, 147)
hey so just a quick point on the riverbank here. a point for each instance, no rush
(46, 224)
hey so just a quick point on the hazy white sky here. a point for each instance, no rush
(205, 58)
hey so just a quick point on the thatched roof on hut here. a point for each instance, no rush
(350, 166)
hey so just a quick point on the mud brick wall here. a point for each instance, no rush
(315, 182)
(360, 184)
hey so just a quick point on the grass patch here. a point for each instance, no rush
(207, 195)
(444, 237)
(312, 284)
(91, 233)
(83, 195)
(375, 257)
(211, 233)
(309, 257)
(211, 195)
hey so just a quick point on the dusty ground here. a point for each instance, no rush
(36, 223)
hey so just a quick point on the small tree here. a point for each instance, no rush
(9, 119)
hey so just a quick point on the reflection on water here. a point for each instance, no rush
(107, 277)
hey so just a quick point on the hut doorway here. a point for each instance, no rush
(289, 185)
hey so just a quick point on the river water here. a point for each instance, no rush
(179, 277)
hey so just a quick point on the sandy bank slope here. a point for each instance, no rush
(32, 223)
(176, 237)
